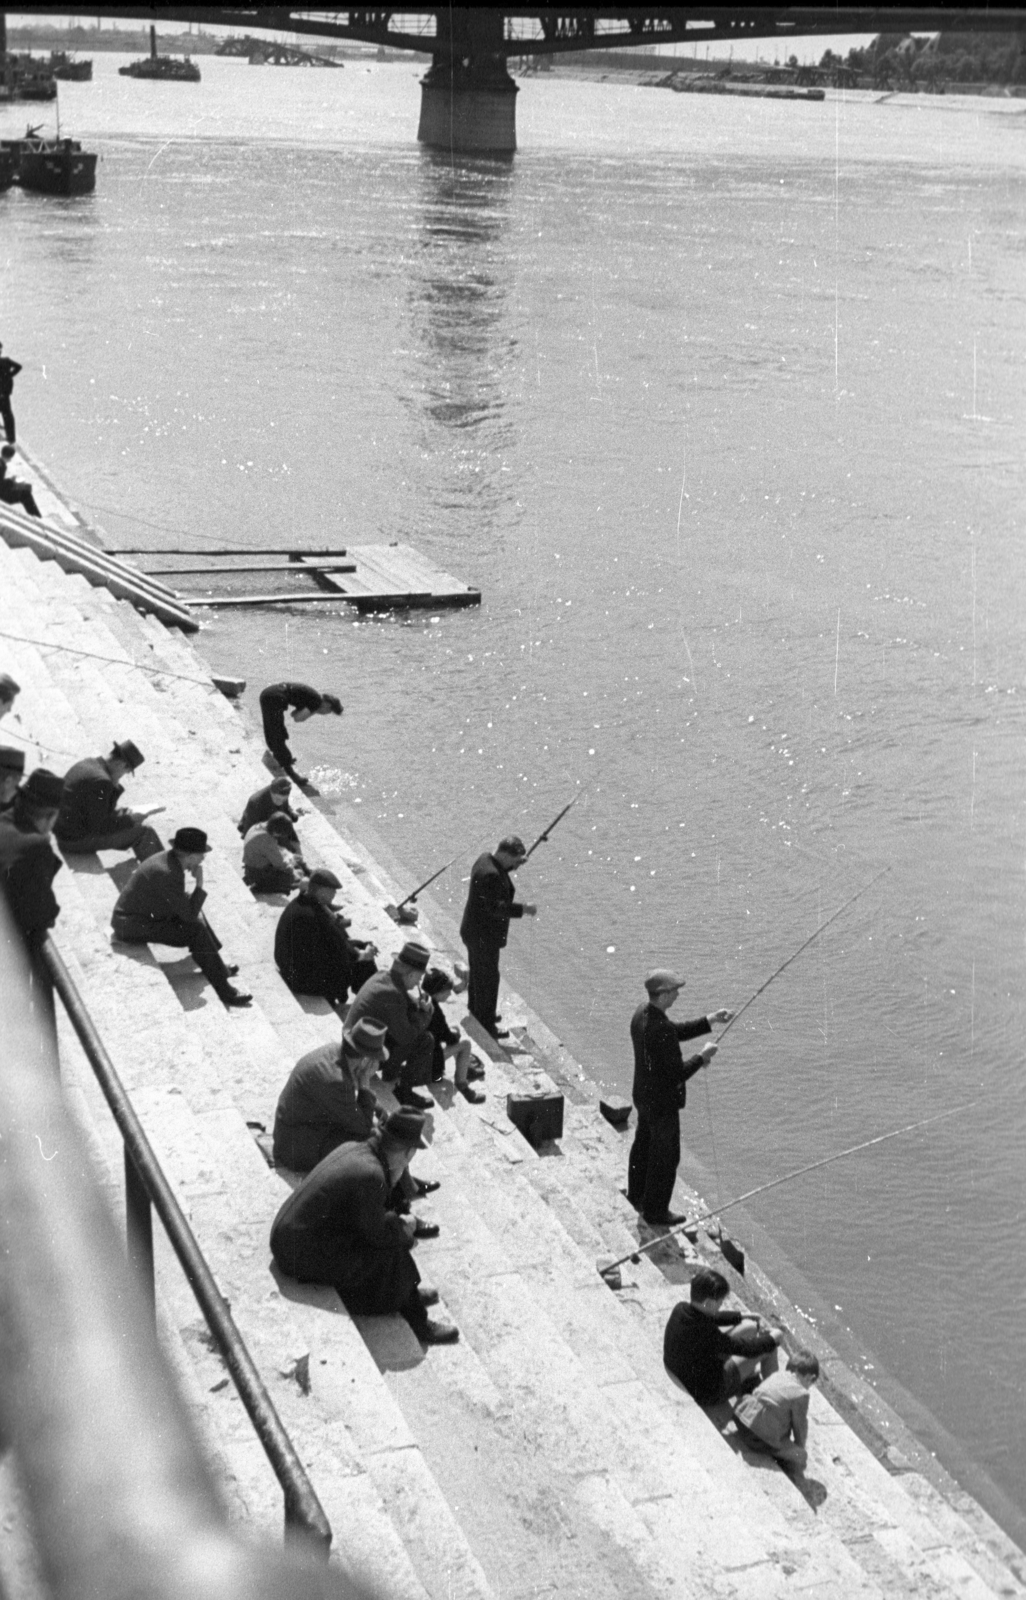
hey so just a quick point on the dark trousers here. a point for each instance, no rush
(130, 833)
(483, 987)
(20, 494)
(270, 880)
(7, 417)
(411, 1069)
(654, 1158)
(196, 937)
(272, 711)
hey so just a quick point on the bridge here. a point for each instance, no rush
(468, 98)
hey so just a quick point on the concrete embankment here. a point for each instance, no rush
(547, 1452)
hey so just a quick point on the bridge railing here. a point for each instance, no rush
(120, 1500)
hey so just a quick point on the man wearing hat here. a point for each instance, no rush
(89, 818)
(394, 999)
(12, 769)
(660, 1076)
(155, 907)
(312, 949)
(28, 864)
(337, 1228)
(485, 927)
(274, 796)
(327, 1100)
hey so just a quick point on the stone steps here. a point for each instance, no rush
(547, 1449)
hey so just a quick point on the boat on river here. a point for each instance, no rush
(69, 68)
(50, 166)
(167, 69)
(26, 77)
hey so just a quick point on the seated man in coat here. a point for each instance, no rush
(155, 907)
(312, 949)
(394, 999)
(327, 1100)
(274, 796)
(12, 770)
(336, 1228)
(89, 817)
(28, 864)
(269, 865)
(711, 1364)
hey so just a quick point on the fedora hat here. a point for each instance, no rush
(191, 842)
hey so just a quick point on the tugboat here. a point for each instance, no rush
(170, 69)
(50, 166)
(68, 69)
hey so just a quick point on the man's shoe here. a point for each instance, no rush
(475, 1070)
(426, 1295)
(436, 1332)
(475, 1096)
(235, 997)
(500, 1033)
(668, 1220)
(424, 1186)
(233, 972)
(425, 1230)
(414, 1101)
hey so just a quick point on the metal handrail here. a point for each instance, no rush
(145, 1183)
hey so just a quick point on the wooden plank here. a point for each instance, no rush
(253, 566)
(289, 550)
(267, 599)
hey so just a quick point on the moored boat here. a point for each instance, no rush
(50, 166)
(69, 69)
(169, 69)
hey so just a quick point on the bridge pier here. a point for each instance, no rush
(467, 97)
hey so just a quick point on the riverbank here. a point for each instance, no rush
(895, 1483)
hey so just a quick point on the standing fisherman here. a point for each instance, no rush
(660, 1079)
(8, 372)
(485, 926)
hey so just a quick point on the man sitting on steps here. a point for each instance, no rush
(394, 999)
(89, 817)
(312, 947)
(336, 1228)
(274, 796)
(713, 1365)
(155, 907)
(12, 770)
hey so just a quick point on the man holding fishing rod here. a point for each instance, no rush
(491, 904)
(660, 1078)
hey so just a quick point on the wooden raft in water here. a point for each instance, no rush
(373, 577)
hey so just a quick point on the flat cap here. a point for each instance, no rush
(321, 878)
(662, 979)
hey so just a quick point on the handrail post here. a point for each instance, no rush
(139, 1232)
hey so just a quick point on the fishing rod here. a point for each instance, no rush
(801, 947)
(410, 898)
(542, 837)
(774, 1183)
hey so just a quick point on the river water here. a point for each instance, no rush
(721, 404)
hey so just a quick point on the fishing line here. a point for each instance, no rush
(165, 527)
(12, 733)
(69, 650)
(774, 1183)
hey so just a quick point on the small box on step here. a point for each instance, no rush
(537, 1110)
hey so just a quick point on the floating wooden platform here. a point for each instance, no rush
(372, 577)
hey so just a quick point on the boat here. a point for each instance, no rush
(168, 69)
(26, 77)
(68, 69)
(50, 166)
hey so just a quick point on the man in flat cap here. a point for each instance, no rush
(274, 796)
(89, 818)
(304, 703)
(660, 1076)
(312, 948)
(155, 907)
(12, 770)
(491, 904)
(337, 1228)
(28, 864)
(394, 999)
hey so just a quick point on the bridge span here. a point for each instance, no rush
(468, 98)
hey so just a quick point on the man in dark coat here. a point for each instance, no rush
(713, 1364)
(9, 692)
(485, 927)
(327, 1100)
(394, 999)
(8, 372)
(155, 907)
(89, 818)
(12, 770)
(660, 1076)
(336, 1228)
(305, 702)
(28, 864)
(14, 491)
(264, 803)
(312, 949)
